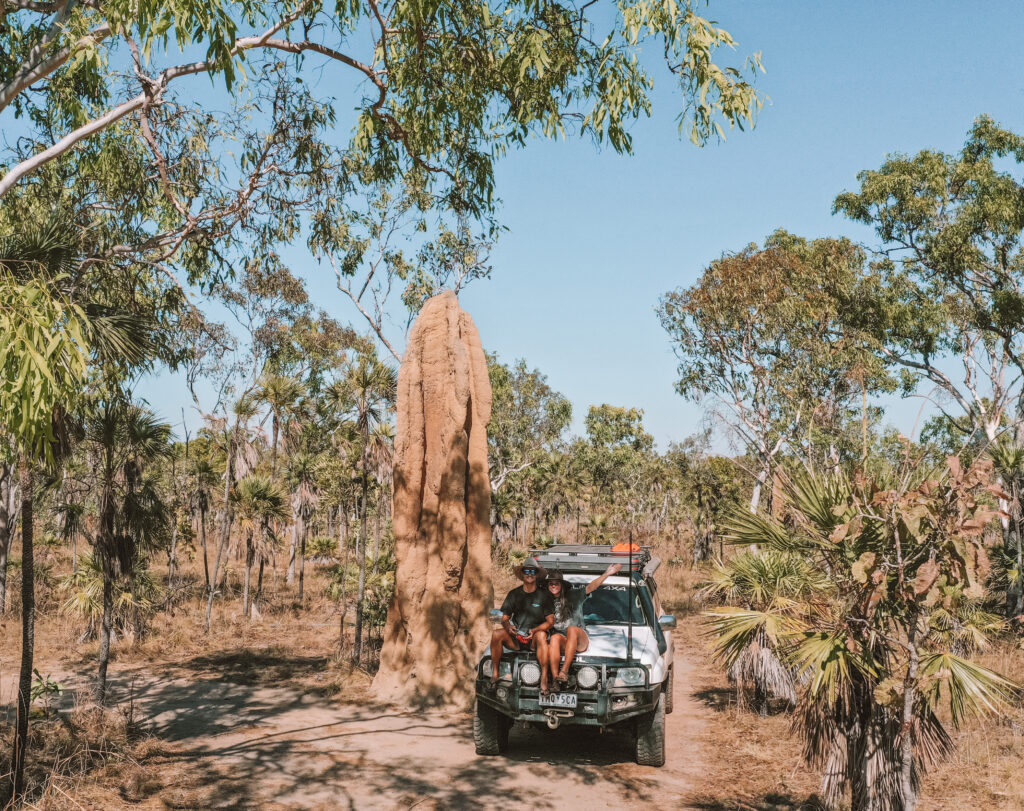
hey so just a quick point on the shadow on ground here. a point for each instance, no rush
(231, 745)
(245, 666)
(770, 802)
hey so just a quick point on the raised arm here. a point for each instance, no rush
(595, 584)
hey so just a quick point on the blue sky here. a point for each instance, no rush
(595, 238)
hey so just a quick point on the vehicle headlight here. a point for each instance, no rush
(504, 668)
(586, 677)
(529, 673)
(629, 677)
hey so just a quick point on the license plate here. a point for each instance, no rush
(567, 700)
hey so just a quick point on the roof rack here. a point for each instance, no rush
(594, 558)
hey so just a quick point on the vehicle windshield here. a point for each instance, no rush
(609, 605)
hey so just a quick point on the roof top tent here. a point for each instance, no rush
(595, 558)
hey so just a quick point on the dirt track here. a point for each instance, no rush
(245, 746)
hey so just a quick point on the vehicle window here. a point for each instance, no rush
(654, 596)
(609, 605)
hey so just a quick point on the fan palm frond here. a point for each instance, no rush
(758, 580)
(971, 688)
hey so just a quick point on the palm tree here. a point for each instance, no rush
(72, 525)
(382, 455)
(239, 458)
(875, 661)
(1008, 457)
(136, 596)
(302, 470)
(372, 388)
(282, 395)
(258, 501)
(123, 439)
(202, 478)
(769, 593)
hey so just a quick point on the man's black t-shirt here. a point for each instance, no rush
(527, 610)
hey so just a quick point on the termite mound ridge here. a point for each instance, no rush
(437, 620)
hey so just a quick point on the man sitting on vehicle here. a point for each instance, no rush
(526, 615)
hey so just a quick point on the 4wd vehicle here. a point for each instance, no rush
(623, 679)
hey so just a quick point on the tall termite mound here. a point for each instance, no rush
(437, 621)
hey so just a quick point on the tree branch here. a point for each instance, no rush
(151, 95)
(36, 67)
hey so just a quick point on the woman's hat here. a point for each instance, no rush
(530, 563)
(556, 576)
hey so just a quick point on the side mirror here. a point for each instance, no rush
(667, 622)
(495, 615)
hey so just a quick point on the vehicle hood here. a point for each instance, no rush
(612, 641)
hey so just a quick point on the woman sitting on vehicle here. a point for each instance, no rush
(567, 635)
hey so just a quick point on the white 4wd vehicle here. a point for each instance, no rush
(624, 677)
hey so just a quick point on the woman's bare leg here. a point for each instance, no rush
(555, 653)
(572, 642)
(540, 645)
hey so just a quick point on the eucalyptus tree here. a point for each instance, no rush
(258, 501)
(283, 395)
(947, 281)
(495, 76)
(9, 499)
(758, 333)
(528, 419)
(709, 487)
(232, 438)
(615, 455)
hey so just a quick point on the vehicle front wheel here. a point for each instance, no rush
(650, 736)
(490, 730)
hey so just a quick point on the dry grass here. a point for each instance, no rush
(103, 759)
(84, 758)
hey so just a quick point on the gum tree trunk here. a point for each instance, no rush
(8, 520)
(28, 620)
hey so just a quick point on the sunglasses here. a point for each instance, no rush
(529, 571)
(555, 583)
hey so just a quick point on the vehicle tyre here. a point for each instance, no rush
(650, 736)
(667, 689)
(490, 730)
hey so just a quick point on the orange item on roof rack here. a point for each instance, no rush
(623, 549)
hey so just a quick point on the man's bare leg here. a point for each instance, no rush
(499, 638)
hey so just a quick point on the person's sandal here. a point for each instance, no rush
(562, 677)
(492, 683)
